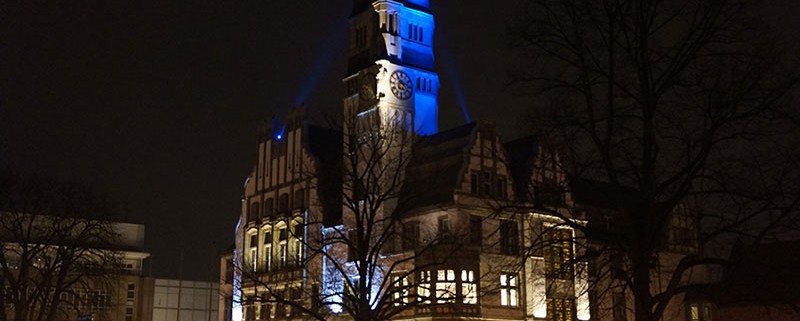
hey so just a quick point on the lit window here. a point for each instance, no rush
(700, 312)
(268, 250)
(560, 309)
(400, 290)
(468, 287)
(558, 254)
(508, 289)
(282, 247)
(445, 286)
(424, 287)
(298, 243)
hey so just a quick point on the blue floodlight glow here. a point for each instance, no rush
(421, 3)
(425, 118)
(454, 78)
(322, 62)
(279, 129)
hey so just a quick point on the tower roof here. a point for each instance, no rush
(421, 5)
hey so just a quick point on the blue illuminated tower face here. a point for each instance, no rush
(390, 65)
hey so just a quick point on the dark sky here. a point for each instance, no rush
(156, 103)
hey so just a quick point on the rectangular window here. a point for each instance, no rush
(424, 287)
(508, 289)
(298, 231)
(400, 290)
(501, 188)
(445, 286)
(618, 302)
(410, 235)
(559, 253)
(475, 231)
(469, 290)
(486, 183)
(298, 252)
(264, 311)
(255, 210)
(509, 238)
(254, 258)
(444, 227)
(282, 254)
(682, 233)
(128, 314)
(131, 291)
(700, 312)
(268, 256)
(561, 309)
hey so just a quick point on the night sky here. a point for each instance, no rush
(156, 103)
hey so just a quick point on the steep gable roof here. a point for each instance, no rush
(436, 167)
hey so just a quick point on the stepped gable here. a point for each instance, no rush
(436, 167)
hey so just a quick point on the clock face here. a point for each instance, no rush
(401, 85)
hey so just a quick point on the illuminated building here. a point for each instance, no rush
(118, 292)
(449, 184)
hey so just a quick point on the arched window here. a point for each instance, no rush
(255, 210)
(269, 208)
(283, 203)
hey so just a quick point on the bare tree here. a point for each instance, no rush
(678, 109)
(57, 261)
(361, 259)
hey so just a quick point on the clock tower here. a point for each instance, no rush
(390, 64)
